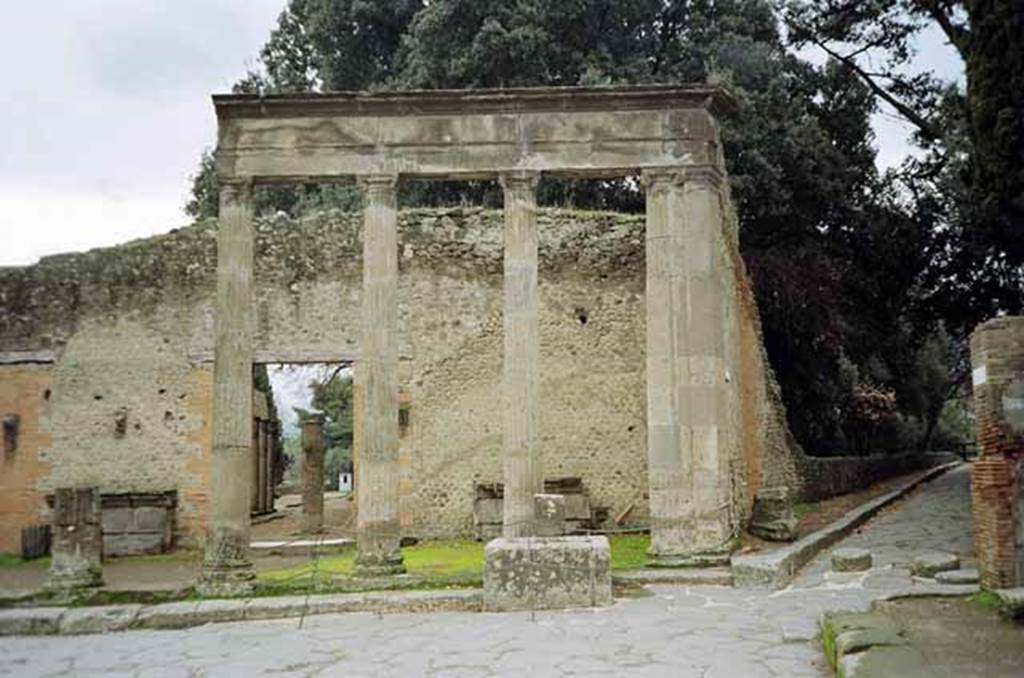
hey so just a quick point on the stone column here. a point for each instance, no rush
(997, 476)
(255, 499)
(523, 474)
(313, 448)
(77, 547)
(378, 531)
(267, 459)
(227, 569)
(686, 375)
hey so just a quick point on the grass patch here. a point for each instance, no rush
(986, 600)
(9, 560)
(458, 561)
(801, 509)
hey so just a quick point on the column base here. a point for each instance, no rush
(711, 557)
(370, 566)
(220, 580)
(87, 578)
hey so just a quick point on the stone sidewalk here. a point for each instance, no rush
(682, 630)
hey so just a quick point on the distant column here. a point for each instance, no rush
(313, 449)
(523, 474)
(267, 459)
(227, 569)
(256, 499)
(77, 547)
(378, 530)
(690, 522)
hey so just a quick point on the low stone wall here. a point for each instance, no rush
(824, 477)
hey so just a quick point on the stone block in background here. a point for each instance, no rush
(547, 573)
(549, 513)
(851, 560)
(77, 548)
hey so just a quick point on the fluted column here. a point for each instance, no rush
(686, 374)
(522, 464)
(378, 529)
(227, 569)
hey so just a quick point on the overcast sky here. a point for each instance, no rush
(105, 110)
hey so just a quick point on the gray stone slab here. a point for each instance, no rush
(958, 577)
(706, 576)
(534, 573)
(103, 619)
(851, 560)
(30, 621)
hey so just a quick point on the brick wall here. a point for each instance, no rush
(997, 477)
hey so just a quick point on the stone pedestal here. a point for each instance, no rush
(997, 476)
(227, 569)
(77, 546)
(313, 449)
(687, 419)
(520, 445)
(537, 573)
(377, 469)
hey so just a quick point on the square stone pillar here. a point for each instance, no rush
(521, 453)
(378, 530)
(997, 476)
(77, 547)
(686, 373)
(267, 465)
(313, 449)
(227, 569)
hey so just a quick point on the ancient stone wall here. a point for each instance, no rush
(997, 477)
(129, 331)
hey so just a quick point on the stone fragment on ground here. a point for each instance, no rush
(851, 560)
(1011, 602)
(960, 577)
(931, 563)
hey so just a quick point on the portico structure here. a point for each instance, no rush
(667, 135)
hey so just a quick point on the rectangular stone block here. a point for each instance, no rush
(547, 573)
(549, 513)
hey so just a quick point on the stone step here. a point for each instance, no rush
(298, 547)
(706, 576)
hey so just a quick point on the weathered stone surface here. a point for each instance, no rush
(103, 619)
(773, 517)
(931, 563)
(30, 621)
(549, 514)
(965, 576)
(547, 573)
(886, 661)
(851, 560)
(1011, 602)
(710, 576)
(77, 548)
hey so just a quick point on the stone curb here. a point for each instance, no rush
(711, 576)
(776, 568)
(40, 621)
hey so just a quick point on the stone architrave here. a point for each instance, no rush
(521, 453)
(227, 569)
(313, 449)
(378, 529)
(77, 546)
(686, 372)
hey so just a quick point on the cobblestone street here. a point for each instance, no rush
(676, 630)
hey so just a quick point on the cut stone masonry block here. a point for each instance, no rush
(536, 573)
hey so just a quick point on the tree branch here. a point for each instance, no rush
(957, 34)
(912, 116)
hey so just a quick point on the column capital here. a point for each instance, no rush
(236, 190)
(658, 179)
(708, 176)
(519, 180)
(377, 184)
